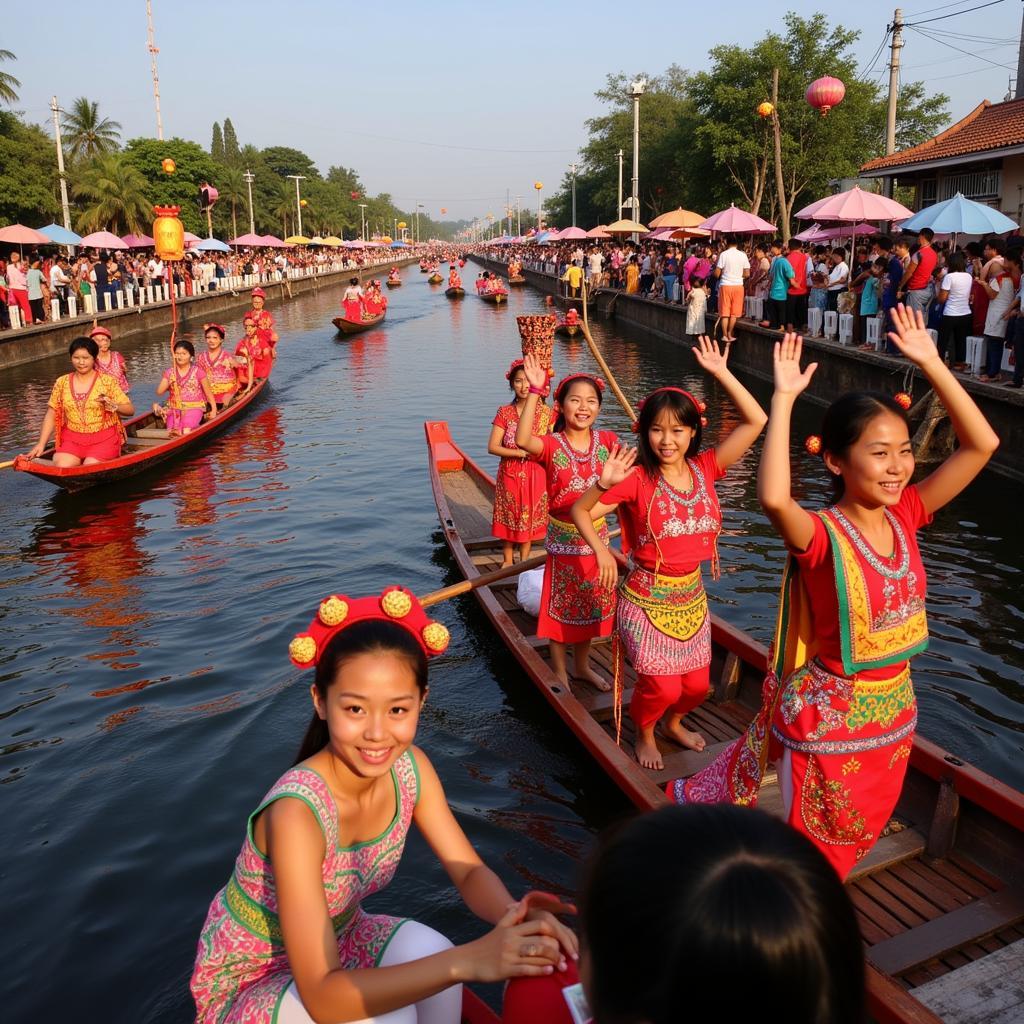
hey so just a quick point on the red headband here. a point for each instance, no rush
(258, 293)
(596, 381)
(219, 328)
(99, 330)
(250, 318)
(338, 612)
(516, 364)
(701, 407)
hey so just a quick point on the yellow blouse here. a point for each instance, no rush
(85, 414)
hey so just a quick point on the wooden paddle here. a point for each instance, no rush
(7, 465)
(596, 353)
(437, 596)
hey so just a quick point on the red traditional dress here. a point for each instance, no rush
(353, 302)
(265, 332)
(247, 348)
(187, 403)
(114, 367)
(454, 280)
(220, 371)
(520, 495)
(82, 425)
(662, 615)
(838, 708)
(375, 302)
(574, 607)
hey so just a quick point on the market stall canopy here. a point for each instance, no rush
(296, 240)
(333, 241)
(626, 227)
(816, 233)
(678, 218)
(18, 234)
(677, 234)
(191, 239)
(103, 240)
(61, 236)
(960, 215)
(272, 242)
(572, 234)
(399, 245)
(855, 205)
(735, 221)
(249, 239)
(212, 245)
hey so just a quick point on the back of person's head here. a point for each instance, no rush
(955, 263)
(926, 233)
(717, 912)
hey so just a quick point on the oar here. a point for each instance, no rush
(7, 465)
(488, 578)
(596, 352)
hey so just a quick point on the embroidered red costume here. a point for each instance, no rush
(520, 491)
(574, 607)
(838, 706)
(662, 615)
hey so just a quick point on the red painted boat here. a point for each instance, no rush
(476, 1011)
(940, 898)
(494, 298)
(147, 445)
(394, 282)
(566, 328)
(355, 326)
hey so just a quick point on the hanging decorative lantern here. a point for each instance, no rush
(538, 185)
(825, 93)
(765, 109)
(303, 203)
(168, 234)
(168, 165)
(443, 209)
(354, 195)
(402, 224)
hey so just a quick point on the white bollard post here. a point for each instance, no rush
(167, 293)
(72, 306)
(149, 294)
(54, 310)
(15, 312)
(120, 300)
(90, 304)
(975, 353)
(831, 323)
(130, 296)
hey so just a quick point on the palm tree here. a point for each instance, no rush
(113, 196)
(8, 83)
(231, 186)
(86, 134)
(285, 207)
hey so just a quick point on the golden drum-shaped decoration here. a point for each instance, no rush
(396, 603)
(333, 611)
(436, 637)
(168, 234)
(302, 650)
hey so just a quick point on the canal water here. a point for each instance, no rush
(146, 698)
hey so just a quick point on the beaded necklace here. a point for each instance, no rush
(578, 459)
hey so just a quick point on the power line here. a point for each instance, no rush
(944, 7)
(952, 14)
(444, 145)
(935, 39)
(881, 46)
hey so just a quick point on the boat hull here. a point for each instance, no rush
(356, 327)
(494, 298)
(140, 456)
(393, 284)
(517, 282)
(455, 293)
(568, 329)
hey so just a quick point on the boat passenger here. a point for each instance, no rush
(496, 285)
(520, 487)
(839, 711)
(83, 413)
(190, 392)
(454, 278)
(261, 353)
(218, 366)
(353, 301)
(482, 282)
(375, 301)
(108, 361)
(264, 324)
(248, 355)
(574, 609)
(572, 318)
(287, 939)
(671, 519)
(393, 274)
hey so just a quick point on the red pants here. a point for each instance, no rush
(20, 299)
(679, 695)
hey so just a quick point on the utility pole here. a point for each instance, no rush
(636, 89)
(298, 200)
(153, 51)
(1018, 92)
(60, 164)
(508, 209)
(573, 169)
(249, 179)
(894, 81)
(618, 209)
(519, 220)
(362, 220)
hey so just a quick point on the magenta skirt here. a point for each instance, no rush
(184, 419)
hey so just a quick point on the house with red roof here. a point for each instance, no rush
(982, 156)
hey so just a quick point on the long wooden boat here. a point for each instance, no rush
(565, 328)
(355, 326)
(395, 282)
(517, 281)
(455, 293)
(435, 279)
(940, 898)
(494, 298)
(147, 445)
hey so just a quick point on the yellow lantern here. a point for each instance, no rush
(765, 109)
(168, 234)
(168, 165)
(538, 185)
(402, 224)
(304, 202)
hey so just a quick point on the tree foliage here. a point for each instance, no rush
(85, 133)
(8, 83)
(28, 172)
(231, 151)
(217, 144)
(112, 196)
(194, 167)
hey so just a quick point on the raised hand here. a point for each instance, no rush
(910, 337)
(616, 469)
(710, 357)
(534, 369)
(789, 378)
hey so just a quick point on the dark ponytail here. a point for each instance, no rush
(374, 636)
(846, 420)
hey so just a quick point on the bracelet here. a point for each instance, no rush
(600, 486)
(538, 391)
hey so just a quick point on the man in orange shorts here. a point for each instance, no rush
(733, 268)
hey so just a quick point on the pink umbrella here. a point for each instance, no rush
(571, 234)
(677, 234)
(855, 205)
(598, 232)
(191, 239)
(272, 242)
(247, 239)
(554, 235)
(18, 234)
(738, 222)
(138, 241)
(103, 240)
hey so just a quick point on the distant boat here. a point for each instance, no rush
(395, 282)
(494, 298)
(355, 326)
(435, 278)
(455, 293)
(517, 281)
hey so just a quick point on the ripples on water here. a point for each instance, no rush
(146, 701)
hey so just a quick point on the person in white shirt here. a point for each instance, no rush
(732, 269)
(955, 296)
(838, 278)
(596, 261)
(60, 282)
(155, 271)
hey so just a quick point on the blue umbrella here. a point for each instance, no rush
(399, 244)
(960, 215)
(211, 245)
(60, 236)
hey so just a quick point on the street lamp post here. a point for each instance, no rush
(573, 169)
(362, 220)
(249, 179)
(519, 221)
(298, 200)
(539, 186)
(636, 89)
(618, 209)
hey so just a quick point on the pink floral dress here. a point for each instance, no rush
(242, 970)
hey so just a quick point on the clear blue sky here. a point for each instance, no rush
(509, 83)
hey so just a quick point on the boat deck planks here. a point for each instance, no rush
(921, 917)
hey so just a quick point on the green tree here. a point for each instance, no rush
(233, 193)
(284, 209)
(217, 144)
(283, 160)
(28, 172)
(86, 134)
(112, 195)
(231, 151)
(8, 83)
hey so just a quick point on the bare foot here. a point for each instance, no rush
(506, 565)
(595, 680)
(684, 737)
(648, 755)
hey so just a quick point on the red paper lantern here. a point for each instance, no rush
(444, 209)
(354, 195)
(813, 445)
(904, 399)
(825, 93)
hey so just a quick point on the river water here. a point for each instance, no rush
(146, 698)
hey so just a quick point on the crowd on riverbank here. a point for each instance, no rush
(969, 290)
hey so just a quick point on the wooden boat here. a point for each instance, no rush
(940, 898)
(355, 326)
(394, 282)
(570, 329)
(495, 298)
(147, 445)
(455, 293)
(435, 278)
(475, 1010)
(517, 281)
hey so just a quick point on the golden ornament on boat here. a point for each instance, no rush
(302, 649)
(396, 603)
(436, 637)
(333, 611)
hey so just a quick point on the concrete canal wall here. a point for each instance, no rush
(840, 368)
(27, 344)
